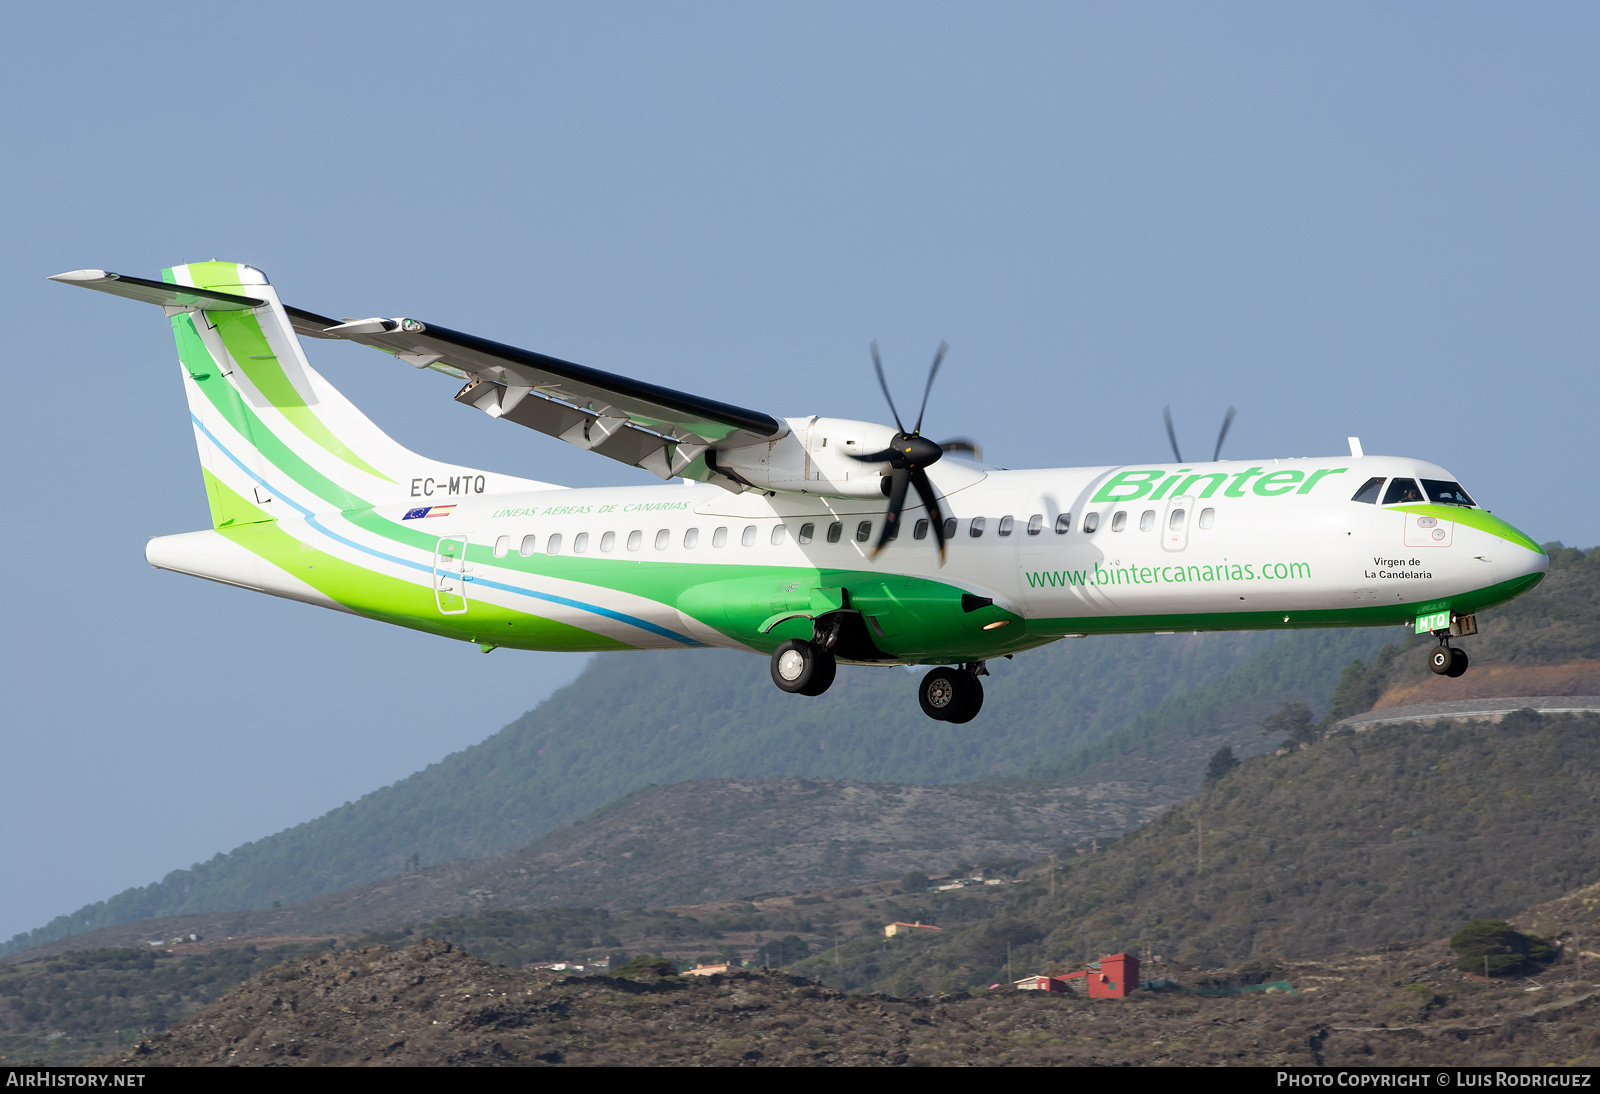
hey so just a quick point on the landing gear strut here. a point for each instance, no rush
(803, 668)
(1447, 660)
(952, 694)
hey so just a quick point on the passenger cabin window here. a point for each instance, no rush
(921, 529)
(1403, 490)
(1208, 517)
(1447, 493)
(527, 546)
(1006, 524)
(1147, 520)
(1119, 521)
(975, 529)
(1369, 491)
(635, 540)
(580, 543)
(608, 542)
(1175, 522)
(691, 539)
(1064, 524)
(748, 538)
(1035, 524)
(552, 544)
(807, 531)
(778, 532)
(663, 538)
(950, 528)
(863, 531)
(719, 538)
(1091, 521)
(502, 547)
(835, 530)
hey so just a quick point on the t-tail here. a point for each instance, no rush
(265, 421)
(276, 440)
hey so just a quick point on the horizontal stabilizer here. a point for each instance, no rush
(157, 292)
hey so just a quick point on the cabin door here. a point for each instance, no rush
(450, 575)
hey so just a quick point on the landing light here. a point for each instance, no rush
(996, 625)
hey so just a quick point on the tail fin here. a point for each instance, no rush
(265, 421)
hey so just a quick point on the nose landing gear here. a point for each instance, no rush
(952, 694)
(1447, 660)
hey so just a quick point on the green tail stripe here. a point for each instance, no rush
(225, 397)
(241, 334)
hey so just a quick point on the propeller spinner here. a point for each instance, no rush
(908, 456)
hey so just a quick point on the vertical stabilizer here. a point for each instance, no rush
(266, 423)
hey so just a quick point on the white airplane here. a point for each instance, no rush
(778, 540)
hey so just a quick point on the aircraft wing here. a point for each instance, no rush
(662, 430)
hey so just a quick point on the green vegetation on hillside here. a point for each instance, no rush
(637, 719)
(75, 1007)
(1399, 833)
(1496, 948)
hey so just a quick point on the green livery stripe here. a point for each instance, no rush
(1481, 519)
(405, 603)
(228, 402)
(1382, 615)
(240, 332)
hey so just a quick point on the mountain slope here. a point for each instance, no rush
(1391, 835)
(640, 718)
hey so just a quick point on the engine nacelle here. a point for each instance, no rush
(814, 457)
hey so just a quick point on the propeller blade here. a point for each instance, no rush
(888, 454)
(1166, 412)
(966, 445)
(877, 363)
(1227, 420)
(919, 479)
(938, 359)
(899, 479)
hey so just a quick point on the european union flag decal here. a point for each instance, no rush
(415, 513)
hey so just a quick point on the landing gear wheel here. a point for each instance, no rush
(803, 668)
(1440, 659)
(973, 705)
(943, 692)
(950, 695)
(1458, 662)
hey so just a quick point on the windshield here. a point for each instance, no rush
(1402, 490)
(1447, 493)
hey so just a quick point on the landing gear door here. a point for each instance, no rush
(1175, 524)
(450, 575)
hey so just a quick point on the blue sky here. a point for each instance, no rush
(1368, 219)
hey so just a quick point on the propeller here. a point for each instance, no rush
(1172, 436)
(908, 456)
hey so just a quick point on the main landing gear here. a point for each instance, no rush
(1447, 660)
(952, 694)
(803, 668)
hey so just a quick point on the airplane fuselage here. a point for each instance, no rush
(1054, 552)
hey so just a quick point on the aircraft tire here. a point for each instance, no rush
(1440, 659)
(974, 703)
(796, 664)
(944, 692)
(1458, 662)
(822, 676)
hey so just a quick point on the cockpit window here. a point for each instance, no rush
(1447, 493)
(1369, 491)
(1403, 490)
